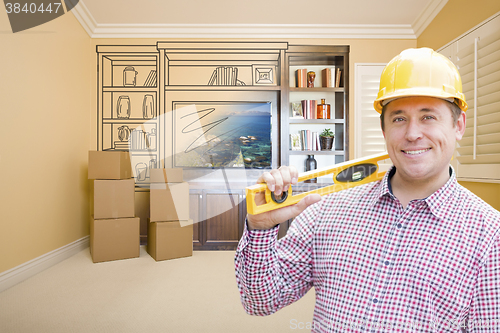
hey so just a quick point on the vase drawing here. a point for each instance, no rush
(123, 107)
(148, 111)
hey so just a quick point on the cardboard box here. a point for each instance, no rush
(169, 201)
(114, 239)
(170, 240)
(109, 165)
(173, 175)
(114, 198)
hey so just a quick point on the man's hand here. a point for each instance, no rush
(279, 181)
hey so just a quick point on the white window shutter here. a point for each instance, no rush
(478, 60)
(369, 139)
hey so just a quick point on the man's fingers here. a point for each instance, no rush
(294, 174)
(278, 181)
(267, 178)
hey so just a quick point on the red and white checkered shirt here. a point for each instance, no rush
(377, 267)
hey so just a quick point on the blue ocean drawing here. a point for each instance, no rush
(224, 134)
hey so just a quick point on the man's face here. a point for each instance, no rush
(420, 137)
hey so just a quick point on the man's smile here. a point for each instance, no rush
(415, 152)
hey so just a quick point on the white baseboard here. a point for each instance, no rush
(28, 269)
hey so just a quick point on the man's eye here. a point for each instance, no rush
(429, 117)
(396, 120)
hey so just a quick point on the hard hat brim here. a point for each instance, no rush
(419, 92)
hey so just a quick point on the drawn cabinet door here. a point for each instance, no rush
(195, 200)
(225, 212)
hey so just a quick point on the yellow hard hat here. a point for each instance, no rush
(420, 72)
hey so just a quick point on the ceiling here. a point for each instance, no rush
(259, 18)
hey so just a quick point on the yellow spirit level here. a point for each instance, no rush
(345, 175)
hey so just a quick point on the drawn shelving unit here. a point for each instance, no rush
(128, 104)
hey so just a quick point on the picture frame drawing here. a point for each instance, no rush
(264, 75)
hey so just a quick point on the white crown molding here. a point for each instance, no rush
(341, 31)
(24, 271)
(85, 18)
(427, 15)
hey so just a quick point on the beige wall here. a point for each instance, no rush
(456, 18)
(45, 89)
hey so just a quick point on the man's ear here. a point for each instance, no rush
(460, 127)
(383, 132)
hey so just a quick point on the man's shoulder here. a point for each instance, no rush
(359, 193)
(474, 204)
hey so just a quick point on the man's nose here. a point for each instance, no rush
(413, 130)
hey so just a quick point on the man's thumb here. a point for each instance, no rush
(306, 202)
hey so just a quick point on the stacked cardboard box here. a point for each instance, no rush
(114, 229)
(170, 232)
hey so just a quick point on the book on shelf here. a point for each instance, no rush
(310, 140)
(220, 76)
(338, 73)
(301, 78)
(211, 82)
(235, 76)
(121, 145)
(305, 140)
(315, 141)
(151, 79)
(328, 77)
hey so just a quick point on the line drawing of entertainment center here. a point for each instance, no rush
(212, 106)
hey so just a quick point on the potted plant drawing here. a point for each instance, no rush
(326, 139)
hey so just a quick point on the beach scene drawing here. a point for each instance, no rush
(222, 135)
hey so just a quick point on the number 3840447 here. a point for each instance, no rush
(27, 8)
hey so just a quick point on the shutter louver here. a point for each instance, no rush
(485, 122)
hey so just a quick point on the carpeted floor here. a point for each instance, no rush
(195, 294)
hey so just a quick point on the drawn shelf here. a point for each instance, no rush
(221, 88)
(128, 102)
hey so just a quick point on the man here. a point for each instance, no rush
(413, 252)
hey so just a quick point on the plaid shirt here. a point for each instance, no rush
(375, 266)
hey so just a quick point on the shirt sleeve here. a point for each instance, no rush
(272, 274)
(484, 315)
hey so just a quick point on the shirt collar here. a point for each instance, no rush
(436, 201)
(385, 186)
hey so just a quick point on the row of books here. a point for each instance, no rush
(305, 140)
(224, 76)
(151, 79)
(330, 77)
